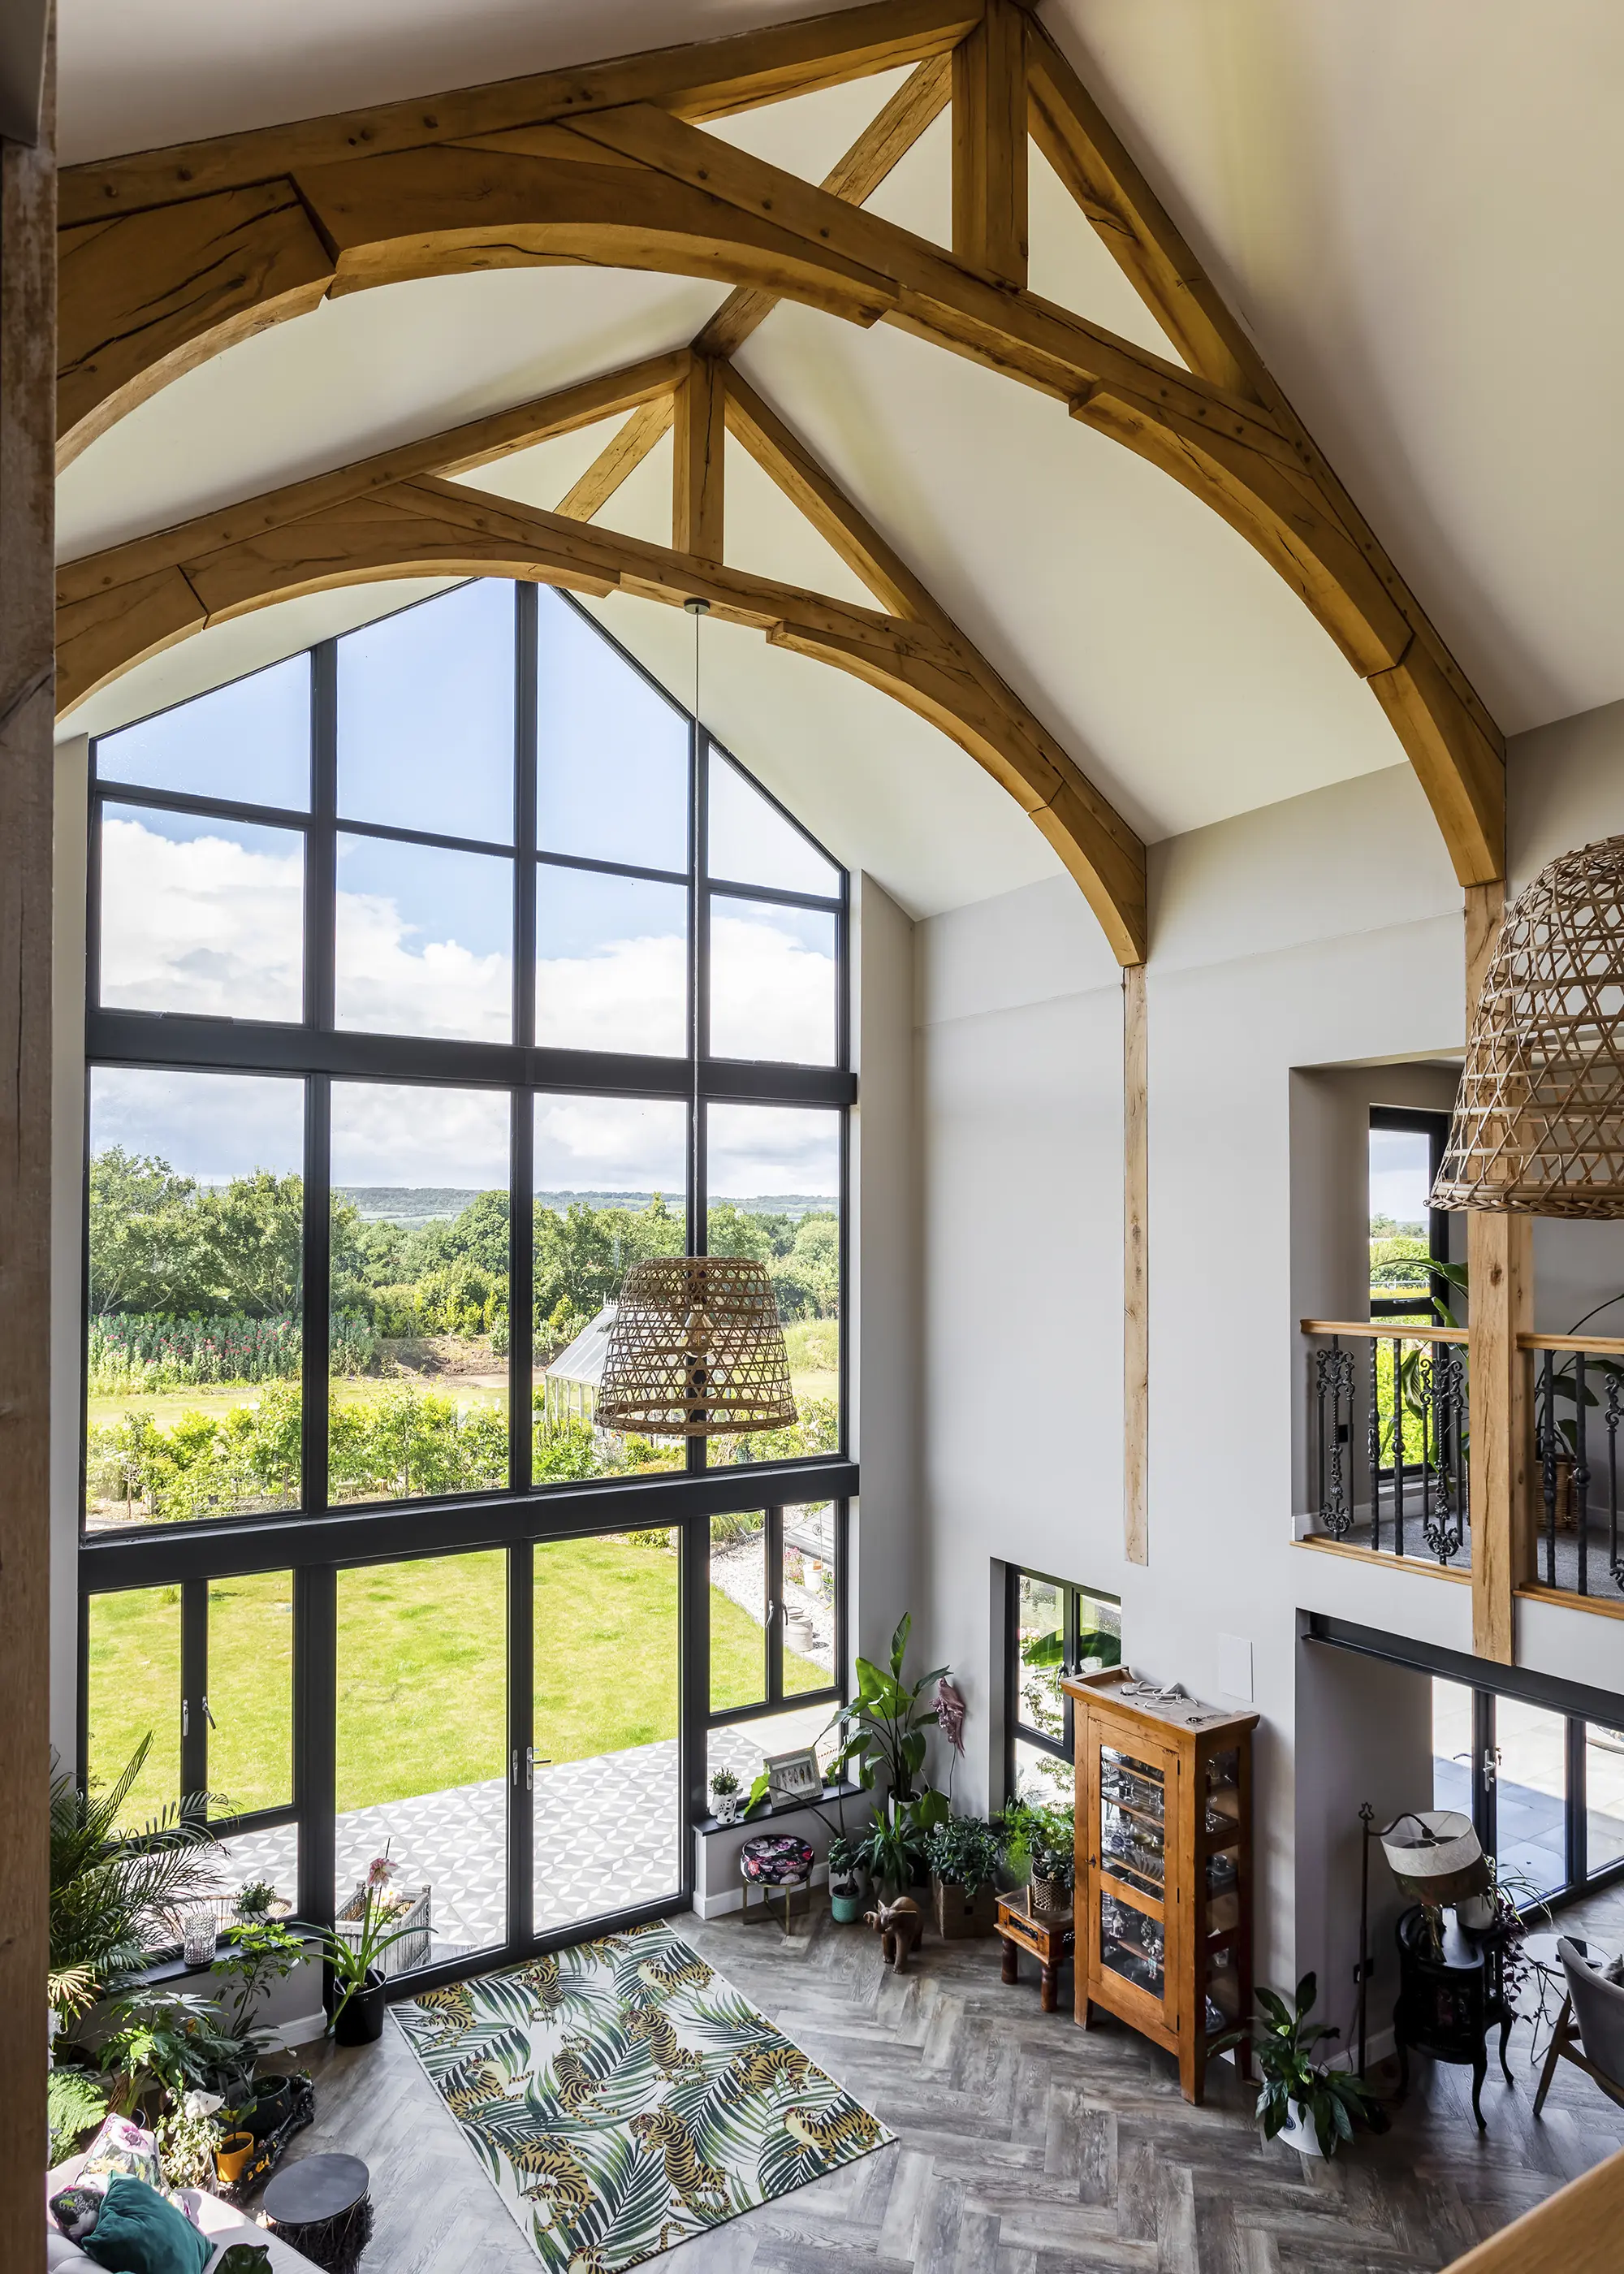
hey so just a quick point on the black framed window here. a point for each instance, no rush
(1052, 1628)
(1544, 1789)
(434, 976)
(1409, 1238)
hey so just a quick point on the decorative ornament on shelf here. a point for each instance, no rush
(1539, 1127)
(696, 1350)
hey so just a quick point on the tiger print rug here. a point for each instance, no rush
(622, 2097)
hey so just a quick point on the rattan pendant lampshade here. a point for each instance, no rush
(1539, 1127)
(696, 1350)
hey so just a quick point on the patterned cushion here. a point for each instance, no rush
(777, 1859)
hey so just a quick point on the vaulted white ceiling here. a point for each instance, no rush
(1396, 201)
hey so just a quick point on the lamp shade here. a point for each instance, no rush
(1539, 1128)
(696, 1350)
(1435, 1856)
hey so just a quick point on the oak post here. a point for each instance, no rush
(28, 452)
(698, 461)
(1500, 1255)
(1135, 1293)
(990, 144)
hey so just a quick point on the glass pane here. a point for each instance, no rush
(1401, 1179)
(1099, 1632)
(1039, 1644)
(611, 753)
(608, 1778)
(738, 1610)
(611, 1190)
(424, 940)
(1131, 1820)
(425, 725)
(772, 983)
(133, 1671)
(1603, 1794)
(269, 1858)
(200, 915)
(422, 1750)
(1043, 1779)
(1132, 1945)
(249, 741)
(610, 962)
(1452, 1746)
(752, 843)
(1530, 1790)
(195, 1317)
(419, 1303)
(251, 1693)
(811, 1584)
(774, 1177)
(1224, 1991)
(743, 1746)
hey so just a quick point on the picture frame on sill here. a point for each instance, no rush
(792, 1776)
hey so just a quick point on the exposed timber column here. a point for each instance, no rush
(698, 460)
(28, 451)
(990, 144)
(1135, 1288)
(1500, 1255)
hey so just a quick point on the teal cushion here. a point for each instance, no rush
(137, 2232)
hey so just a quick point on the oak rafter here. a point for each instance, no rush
(170, 255)
(396, 514)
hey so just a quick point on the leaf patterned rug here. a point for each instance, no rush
(622, 2097)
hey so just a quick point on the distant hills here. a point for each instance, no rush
(413, 1204)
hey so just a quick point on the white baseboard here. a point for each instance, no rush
(304, 2030)
(732, 1899)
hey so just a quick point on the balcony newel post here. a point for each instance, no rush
(1500, 1258)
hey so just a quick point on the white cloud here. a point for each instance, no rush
(755, 1150)
(208, 925)
(388, 986)
(772, 996)
(632, 995)
(417, 1133)
(611, 1144)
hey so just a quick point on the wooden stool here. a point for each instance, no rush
(1048, 1935)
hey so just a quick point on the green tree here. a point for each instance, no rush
(146, 1253)
(251, 1235)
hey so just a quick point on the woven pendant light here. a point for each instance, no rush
(1538, 1127)
(696, 1350)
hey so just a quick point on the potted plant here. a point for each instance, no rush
(356, 2015)
(845, 1886)
(725, 1795)
(1302, 2102)
(883, 1735)
(1040, 1846)
(260, 1952)
(892, 1852)
(964, 1854)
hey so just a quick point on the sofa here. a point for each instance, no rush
(213, 2217)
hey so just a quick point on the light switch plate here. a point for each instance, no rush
(1235, 1667)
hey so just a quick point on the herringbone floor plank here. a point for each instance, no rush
(1024, 2146)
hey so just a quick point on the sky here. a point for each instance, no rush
(1400, 1178)
(204, 916)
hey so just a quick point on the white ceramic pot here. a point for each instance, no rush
(1298, 2132)
(727, 1806)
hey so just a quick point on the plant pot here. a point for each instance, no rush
(359, 2020)
(232, 2155)
(845, 1901)
(1298, 2132)
(961, 1912)
(273, 2104)
(1049, 1895)
(726, 1806)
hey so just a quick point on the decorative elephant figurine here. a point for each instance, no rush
(898, 1926)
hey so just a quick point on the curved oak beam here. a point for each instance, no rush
(116, 608)
(212, 256)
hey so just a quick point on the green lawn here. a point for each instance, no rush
(421, 1650)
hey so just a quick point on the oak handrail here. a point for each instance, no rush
(1387, 1330)
(1574, 2232)
(1598, 1346)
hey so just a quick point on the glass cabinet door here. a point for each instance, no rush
(1133, 1827)
(1220, 1885)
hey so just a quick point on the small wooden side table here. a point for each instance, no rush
(1047, 1935)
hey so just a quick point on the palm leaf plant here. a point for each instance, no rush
(115, 1890)
(1293, 2082)
(883, 1733)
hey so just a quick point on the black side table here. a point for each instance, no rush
(1448, 2000)
(321, 2207)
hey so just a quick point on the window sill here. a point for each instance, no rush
(757, 1816)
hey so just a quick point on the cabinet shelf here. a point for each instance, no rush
(1199, 1763)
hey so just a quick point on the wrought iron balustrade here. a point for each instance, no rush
(1390, 1426)
(1578, 1403)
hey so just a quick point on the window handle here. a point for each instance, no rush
(185, 1717)
(207, 1716)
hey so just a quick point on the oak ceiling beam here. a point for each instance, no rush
(622, 456)
(888, 138)
(701, 78)
(699, 460)
(116, 608)
(990, 144)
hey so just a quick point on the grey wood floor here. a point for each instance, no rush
(1025, 2147)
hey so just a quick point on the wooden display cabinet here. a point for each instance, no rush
(1163, 1904)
